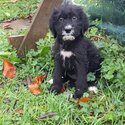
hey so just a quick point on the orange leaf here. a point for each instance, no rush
(38, 79)
(9, 70)
(83, 99)
(34, 88)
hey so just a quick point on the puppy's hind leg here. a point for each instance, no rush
(92, 85)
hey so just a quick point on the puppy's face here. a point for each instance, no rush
(68, 22)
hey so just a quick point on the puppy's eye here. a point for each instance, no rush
(74, 18)
(61, 19)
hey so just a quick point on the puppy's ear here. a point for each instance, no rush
(85, 23)
(52, 22)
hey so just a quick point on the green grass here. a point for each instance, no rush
(105, 108)
(19, 9)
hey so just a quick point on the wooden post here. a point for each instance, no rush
(39, 26)
(15, 40)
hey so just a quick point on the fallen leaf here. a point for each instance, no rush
(9, 70)
(38, 79)
(19, 110)
(34, 88)
(48, 114)
(83, 99)
(78, 101)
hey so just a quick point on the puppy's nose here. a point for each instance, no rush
(68, 28)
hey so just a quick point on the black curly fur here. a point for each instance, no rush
(85, 56)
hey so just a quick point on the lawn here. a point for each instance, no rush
(18, 106)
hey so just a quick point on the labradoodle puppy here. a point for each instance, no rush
(74, 55)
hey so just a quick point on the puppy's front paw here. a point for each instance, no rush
(78, 94)
(54, 88)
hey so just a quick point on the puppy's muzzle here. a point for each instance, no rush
(68, 28)
(68, 33)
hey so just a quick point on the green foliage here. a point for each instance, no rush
(6, 50)
(105, 108)
(110, 11)
(19, 9)
(90, 77)
(113, 66)
(40, 61)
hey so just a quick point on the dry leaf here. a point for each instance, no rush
(38, 79)
(48, 114)
(9, 70)
(83, 99)
(34, 88)
(78, 101)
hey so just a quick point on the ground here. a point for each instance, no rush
(18, 106)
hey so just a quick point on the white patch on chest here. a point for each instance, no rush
(65, 54)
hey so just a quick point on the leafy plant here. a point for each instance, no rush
(113, 66)
(40, 61)
(6, 50)
(19, 106)
(19, 9)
